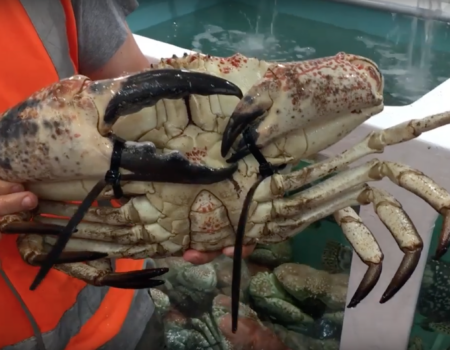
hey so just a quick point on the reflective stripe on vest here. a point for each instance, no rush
(65, 312)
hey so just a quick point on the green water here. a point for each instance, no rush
(411, 68)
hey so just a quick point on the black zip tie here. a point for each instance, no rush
(112, 177)
(265, 170)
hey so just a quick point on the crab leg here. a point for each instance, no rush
(375, 142)
(365, 246)
(98, 272)
(387, 208)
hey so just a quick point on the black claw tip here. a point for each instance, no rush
(146, 88)
(242, 149)
(147, 165)
(134, 279)
(236, 125)
(238, 155)
(144, 284)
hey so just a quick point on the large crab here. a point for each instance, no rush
(289, 111)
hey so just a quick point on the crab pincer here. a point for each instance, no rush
(288, 98)
(142, 90)
(73, 120)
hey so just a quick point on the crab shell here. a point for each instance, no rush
(329, 96)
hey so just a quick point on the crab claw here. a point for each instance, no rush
(296, 95)
(111, 99)
(126, 95)
(130, 94)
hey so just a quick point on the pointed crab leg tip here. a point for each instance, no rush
(367, 284)
(353, 303)
(440, 252)
(385, 298)
(403, 274)
(390, 292)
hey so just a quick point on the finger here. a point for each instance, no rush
(246, 251)
(198, 258)
(10, 187)
(16, 202)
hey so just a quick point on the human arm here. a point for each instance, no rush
(113, 51)
(106, 45)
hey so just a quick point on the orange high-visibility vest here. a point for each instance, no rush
(64, 313)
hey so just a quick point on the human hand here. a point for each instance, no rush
(197, 258)
(14, 198)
